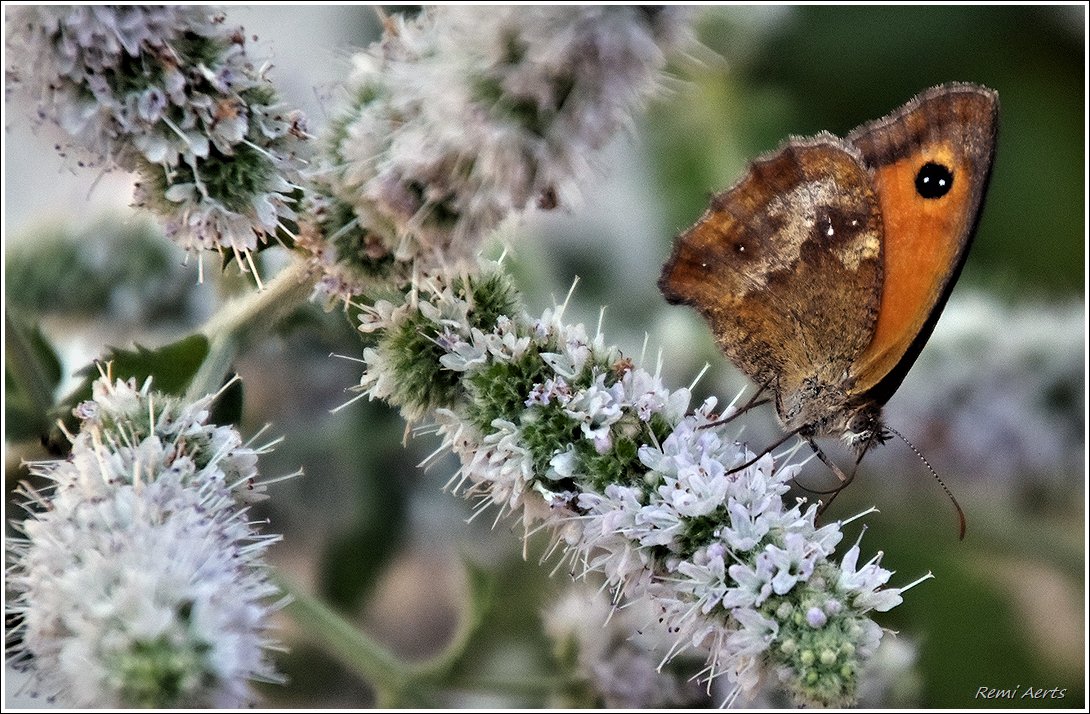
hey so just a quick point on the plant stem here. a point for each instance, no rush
(396, 683)
(375, 664)
(241, 321)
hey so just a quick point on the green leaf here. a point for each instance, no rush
(171, 368)
(32, 372)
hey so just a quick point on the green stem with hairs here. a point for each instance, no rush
(243, 320)
(375, 664)
(396, 683)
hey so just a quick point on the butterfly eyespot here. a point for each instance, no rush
(934, 180)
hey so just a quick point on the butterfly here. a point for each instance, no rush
(823, 271)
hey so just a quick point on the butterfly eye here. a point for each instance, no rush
(934, 180)
(863, 423)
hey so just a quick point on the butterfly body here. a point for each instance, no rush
(823, 270)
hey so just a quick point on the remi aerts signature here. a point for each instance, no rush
(1020, 692)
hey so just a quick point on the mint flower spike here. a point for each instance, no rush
(170, 93)
(617, 651)
(464, 116)
(141, 580)
(559, 429)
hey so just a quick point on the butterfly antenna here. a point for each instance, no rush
(957, 506)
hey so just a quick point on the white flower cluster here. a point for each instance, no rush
(463, 116)
(618, 652)
(552, 425)
(1001, 391)
(141, 581)
(169, 92)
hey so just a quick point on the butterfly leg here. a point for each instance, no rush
(844, 479)
(764, 451)
(753, 402)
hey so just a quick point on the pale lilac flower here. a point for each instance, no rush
(657, 524)
(792, 563)
(816, 617)
(168, 92)
(618, 650)
(596, 408)
(756, 635)
(607, 534)
(753, 586)
(141, 580)
(649, 395)
(863, 585)
(706, 574)
(465, 116)
(461, 355)
(552, 389)
(697, 490)
(122, 417)
(746, 529)
(501, 467)
(563, 464)
(562, 429)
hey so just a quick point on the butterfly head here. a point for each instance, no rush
(862, 428)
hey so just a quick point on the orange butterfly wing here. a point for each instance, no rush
(944, 139)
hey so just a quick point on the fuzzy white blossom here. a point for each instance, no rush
(141, 581)
(463, 116)
(617, 651)
(1000, 393)
(168, 92)
(561, 429)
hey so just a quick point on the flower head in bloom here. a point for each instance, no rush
(618, 651)
(889, 678)
(464, 116)
(553, 425)
(140, 581)
(168, 92)
(1017, 373)
(120, 417)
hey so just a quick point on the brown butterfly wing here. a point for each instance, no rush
(925, 239)
(786, 265)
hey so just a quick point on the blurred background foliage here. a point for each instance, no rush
(996, 402)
